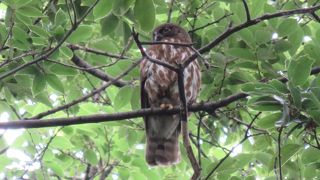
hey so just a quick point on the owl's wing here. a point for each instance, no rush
(143, 94)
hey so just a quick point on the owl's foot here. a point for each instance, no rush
(166, 106)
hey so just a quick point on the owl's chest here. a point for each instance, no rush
(160, 75)
(162, 82)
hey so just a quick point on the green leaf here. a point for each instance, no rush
(39, 41)
(123, 97)
(102, 9)
(315, 114)
(63, 70)
(61, 142)
(24, 19)
(263, 36)
(120, 7)
(295, 94)
(55, 82)
(59, 33)
(310, 155)
(144, 12)
(299, 70)
(279, 86)
(43, 98)
(241, 53)
(38, 84)
(39, 31)
(287, 27)
(4, 162)
(60, 18)
(91, 157)
(4, 107)
(19, 34)
(109, 24)
(269, 121)
(264, 103)
(56, 168)
(135, 99)
(282, 45)
(21, 3)
(309, 172)
(288, 151)
(81, 34)
(30, 11)
(315, 87)
(67, 52)
(265, 53)
(247, 35)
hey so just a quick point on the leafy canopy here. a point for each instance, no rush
(275, 128)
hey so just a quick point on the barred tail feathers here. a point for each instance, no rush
(163, 152)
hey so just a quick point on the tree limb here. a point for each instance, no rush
(97, 72)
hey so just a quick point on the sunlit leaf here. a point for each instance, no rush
(144, 12)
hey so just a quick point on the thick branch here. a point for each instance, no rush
(37, 123)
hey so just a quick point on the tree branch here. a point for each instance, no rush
(184, 125)
(95, 51)
(246, 8)
(96, 72)
(98, 90)
(36, 122)
(246, 24)
(170, 11)
(46, 55)
(246, 136)
(145, 55)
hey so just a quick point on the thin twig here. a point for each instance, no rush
(96, 72)
(232, 30)
(211, 143)
(46, 55)
(211, 23)
(199, 150)
(69, 13)
(170, 11)
(198, 140)
(246, 8)
(279, 152)
(95, 51)
(83, 98)
(246, 136)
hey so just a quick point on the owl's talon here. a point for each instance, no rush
(166, 106)
(162, 106)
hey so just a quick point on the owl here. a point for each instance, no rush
(159, 88)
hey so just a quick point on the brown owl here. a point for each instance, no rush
(159, 88)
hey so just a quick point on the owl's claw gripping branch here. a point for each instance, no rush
(166, 106)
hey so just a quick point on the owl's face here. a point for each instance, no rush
(169, 30)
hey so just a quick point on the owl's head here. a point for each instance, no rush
(169, 30)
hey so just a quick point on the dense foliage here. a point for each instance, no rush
(52, 50)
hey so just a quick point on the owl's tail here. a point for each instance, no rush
(163, 151)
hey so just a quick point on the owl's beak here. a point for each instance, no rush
(157, 37)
